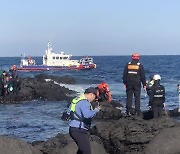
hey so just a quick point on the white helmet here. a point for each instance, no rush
(157, 77)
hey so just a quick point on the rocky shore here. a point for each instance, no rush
(41, 87)
(127, 135)
(113, 133)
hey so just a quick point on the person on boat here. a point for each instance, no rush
(30, 60)
(81, 114)
(15, 80)
(133, 76)
(104, 92)
(157, 97)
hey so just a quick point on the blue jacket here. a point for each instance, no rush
(83, 107)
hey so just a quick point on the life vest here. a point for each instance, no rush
(133, 72)
(75, 101)
(133, 68)
(75, 116)
(158, 93)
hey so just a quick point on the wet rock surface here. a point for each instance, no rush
(40, 89)
(121, 134)
(113, 133)
(110, 110)
(63, 144)
(15, 146)
(166, 142)
(131, 134)
(128, 135)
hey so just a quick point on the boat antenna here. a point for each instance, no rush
(23, 55)
(49, 45)
(49, 49)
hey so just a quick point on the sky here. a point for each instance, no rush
(90, 27)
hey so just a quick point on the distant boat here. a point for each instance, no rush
(56, 61)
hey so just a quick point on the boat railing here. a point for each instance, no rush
(27, 62)
(86, 61)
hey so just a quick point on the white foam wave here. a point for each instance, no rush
(75, 87)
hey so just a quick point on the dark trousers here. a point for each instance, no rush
(148, 93)
(130, 91)
(16, 82)
(80, 136)
(157, 111)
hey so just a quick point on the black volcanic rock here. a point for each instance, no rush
(166, 142)
(10, 145)
(110, 110)
(130, 134)
(65, 79)
(63, 144)
(41, 89)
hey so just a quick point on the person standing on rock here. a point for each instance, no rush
(133, 76)
(15, 80)
(157, 97)
(81, 114)
(4, 83)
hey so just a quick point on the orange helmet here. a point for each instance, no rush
(103, 85)
(135, 56)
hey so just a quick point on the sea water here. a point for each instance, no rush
(40, 120)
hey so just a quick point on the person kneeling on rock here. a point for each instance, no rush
(157, 97)
(104, 92)
(81, 114)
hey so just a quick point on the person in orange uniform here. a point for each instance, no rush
(133, 77)
(104, 92)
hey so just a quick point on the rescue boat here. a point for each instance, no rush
(56, 61)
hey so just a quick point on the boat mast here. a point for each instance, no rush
(49, 49)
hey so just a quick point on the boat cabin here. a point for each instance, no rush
(86, 61)
(57, 59)
(27, 62)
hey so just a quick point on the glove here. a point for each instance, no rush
(98, 108)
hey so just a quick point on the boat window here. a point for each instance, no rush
(57, 57)
(65, 57)
(53, 57)
(60, 57)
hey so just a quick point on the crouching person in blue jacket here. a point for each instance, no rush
(81, 114)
